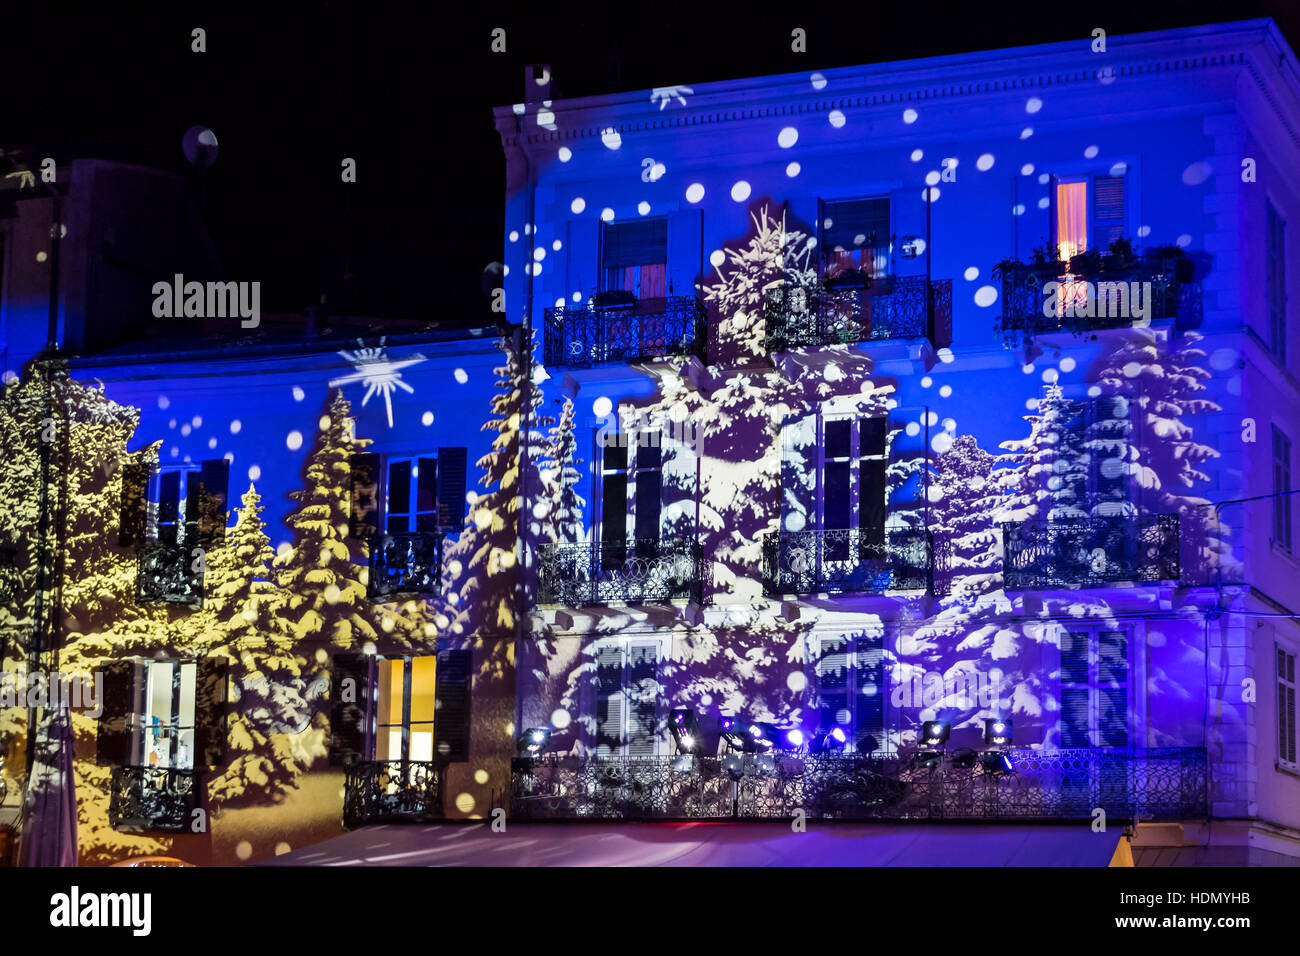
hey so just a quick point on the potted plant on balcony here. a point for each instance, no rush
(1173, 260)
(1045, 260)
(1119, 257)
(1086, 263)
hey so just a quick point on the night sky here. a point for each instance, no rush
(409, 93)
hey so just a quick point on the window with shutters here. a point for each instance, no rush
(627, 695)
(1286, 722)
(1088, 212)
(1095, 688)
(630, 494)
(850, 673)
(161, 723)
(1282, 503)
(400, 708)
(406, 708)
(424, 493)
(186, 504)
(855, 237)
(851, 466)
(634, 257)
(1275, 279)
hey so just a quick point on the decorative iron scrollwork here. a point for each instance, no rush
(170, 574)
(845, 560)
(405, 562)
(802, 317)
(640, 570)
(152, 798)
(1090, 552)
(650, 329)
(392, 791)
(1046, 785)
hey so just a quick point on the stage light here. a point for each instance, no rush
(685, 730)
(964, 758)
(829, 741)
(927, 760)
(997, 732)
(764, 765)
(794, 738)
(532, 741)
(996, 763)
(764, 735)
(684, 765)
(934, 733)
(734, 765)
(734, 732)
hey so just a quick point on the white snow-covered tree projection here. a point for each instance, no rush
(559, 476)
(1045, 474)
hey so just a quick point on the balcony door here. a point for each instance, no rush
(851, 689)
(855, 237)
(627, 694)
(850, 489)
(405, 707)
(1095, 688)
(161, 723)
(630, 495)
(634, 258)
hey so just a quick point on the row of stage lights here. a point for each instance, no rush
(763, 740)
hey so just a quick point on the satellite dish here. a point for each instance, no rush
(200, 147)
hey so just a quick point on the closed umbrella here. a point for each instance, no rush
(49, 833)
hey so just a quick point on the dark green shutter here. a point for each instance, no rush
(214, 490)
(1107, 210)
(452, 463)
(870, 711)
(350, 719)
(135, 505)
(364, 490)
(211, 687)
(113, 740)
(452, 705)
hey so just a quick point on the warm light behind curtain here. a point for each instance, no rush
(1071, 219)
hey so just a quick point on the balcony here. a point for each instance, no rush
(845, 561)
(392, 791)
(1044, 785)
(1090, 552)
(649, 329)
(152, 799)
(643, 569)
(405, 562)
(168, 575)
(1173, 295)
(894, 308)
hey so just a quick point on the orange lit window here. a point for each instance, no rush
(404, 729)
(1071, 219)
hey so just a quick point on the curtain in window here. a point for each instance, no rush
(1071, 219)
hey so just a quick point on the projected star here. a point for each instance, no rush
(378, 373)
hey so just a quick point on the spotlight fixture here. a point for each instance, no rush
(997, 732)
(934, 733)
(734, 732)
(927, 760)
(686, 731)
(764, 735)
(734, 765)
(996, 763)
(830, 741)
(532, 741)
(964, 758)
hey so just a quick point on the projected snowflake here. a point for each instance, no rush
(378, 373)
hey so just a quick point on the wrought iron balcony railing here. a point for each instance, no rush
(392, 791)
(1044, 785)
(405, 562)
(649, 329)
(1167, 291)
(895, 308)
(643, 569)
(844, 561)
(152, 798)
(1090, 552)
(170, 573)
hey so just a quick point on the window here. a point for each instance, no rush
(631, 493)
(400, 708)
(627, 693)
(1094, 688)
(1087, 213)
(406, 706)
(1275, 280)
(1281, 483)
(183, 506)
(856, 236)
(170, 498)
(634, 257)
(408, 493)
(851, 477)
(161, 723)
(850, 682)
(1286, 723)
